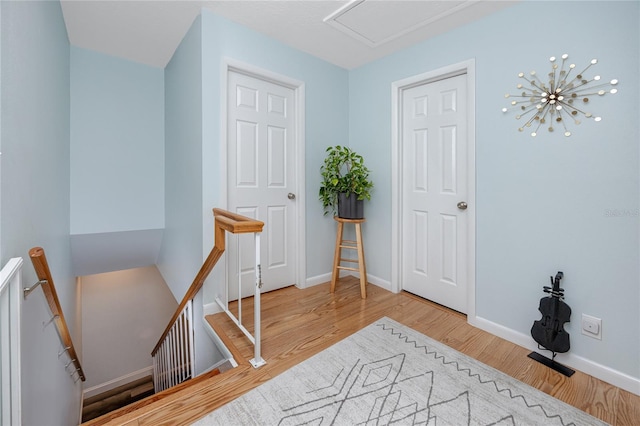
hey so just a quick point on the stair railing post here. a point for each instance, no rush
(239, 275)
(181, 360)
(155, 373)
(170, 358)
(166, 364)
(257, 361)
(192, 361)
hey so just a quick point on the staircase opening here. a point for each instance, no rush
(122, 312)
(111, 302)
(116, 398)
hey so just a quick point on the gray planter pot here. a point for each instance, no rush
(350, 207)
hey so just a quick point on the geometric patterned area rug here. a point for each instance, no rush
(390, 374)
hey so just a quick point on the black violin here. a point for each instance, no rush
(549, 330)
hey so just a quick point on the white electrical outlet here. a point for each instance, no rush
(592, 326)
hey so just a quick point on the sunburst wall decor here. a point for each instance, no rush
(565, 98)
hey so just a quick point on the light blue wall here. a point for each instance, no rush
(35, 194)
(2, 259)
(117, 144)
(193, 147)
(181, 254)
(326, 114)
(543, 204)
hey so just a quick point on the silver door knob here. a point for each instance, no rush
(462, 205)
(291, 196)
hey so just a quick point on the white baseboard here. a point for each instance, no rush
(372, 279)
(211, 308)
(320, 279)
(602, 372)
(112, 384)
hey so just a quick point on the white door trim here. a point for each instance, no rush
(229, 64)
(397, 87)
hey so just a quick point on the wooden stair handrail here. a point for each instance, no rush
(224, 221)
(41, 266)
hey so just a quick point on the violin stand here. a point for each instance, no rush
(551, 363)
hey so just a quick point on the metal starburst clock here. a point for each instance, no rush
(566, 97)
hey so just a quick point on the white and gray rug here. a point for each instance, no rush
(388, 374)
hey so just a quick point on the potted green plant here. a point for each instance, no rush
(345, 183)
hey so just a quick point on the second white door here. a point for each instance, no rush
(434, 191)
(261, 179)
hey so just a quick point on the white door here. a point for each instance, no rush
(261, 179)
(434, 186)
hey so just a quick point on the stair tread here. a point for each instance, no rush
(142, 389)
(119, 389)
(116, 398)
(150, 400)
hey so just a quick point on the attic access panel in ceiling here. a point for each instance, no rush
(376, 22)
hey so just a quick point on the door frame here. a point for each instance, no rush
(298, 87)
(397, 88)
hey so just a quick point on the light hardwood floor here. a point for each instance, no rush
(300, 323)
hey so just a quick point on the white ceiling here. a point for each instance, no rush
(345, 33)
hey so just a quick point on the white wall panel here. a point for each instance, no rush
(421, 252)
(448, 159)
(448, 101)
(420, 107)
(277, 234)
(247, 98)
(247, 157)
(276, 104)
(449, 255)
(277, 161)
(420, 161)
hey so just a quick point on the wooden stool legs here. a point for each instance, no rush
(352, 245)
(336, 257)
(361, 263)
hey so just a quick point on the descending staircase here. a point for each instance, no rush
(119, 397)
(185, 394)
(152, 409)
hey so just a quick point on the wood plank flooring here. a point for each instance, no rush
(300, 323)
